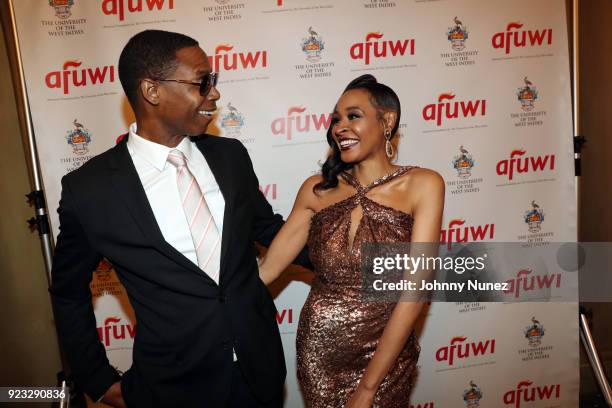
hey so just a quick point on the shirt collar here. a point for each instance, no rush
(157, 154)
(189, 149)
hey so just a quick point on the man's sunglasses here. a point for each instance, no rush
(207, 82)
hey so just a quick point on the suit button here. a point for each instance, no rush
(227, 345)
(222, 299)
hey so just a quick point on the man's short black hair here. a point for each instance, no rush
(149, 54)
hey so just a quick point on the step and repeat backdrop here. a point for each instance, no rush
(485, 93)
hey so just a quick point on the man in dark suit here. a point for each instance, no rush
(176, 212)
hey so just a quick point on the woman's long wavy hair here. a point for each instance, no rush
(384, 99)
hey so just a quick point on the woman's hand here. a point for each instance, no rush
(361, 398)
(264, 274)
(114, 397)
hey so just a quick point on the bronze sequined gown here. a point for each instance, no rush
(338, 331)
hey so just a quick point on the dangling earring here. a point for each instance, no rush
(388, 145)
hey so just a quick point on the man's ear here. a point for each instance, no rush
(150, 91)
(390, 119)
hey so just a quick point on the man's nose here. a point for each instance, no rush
(213, 94)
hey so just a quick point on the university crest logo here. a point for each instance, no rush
(312, 46)
(62, 8)
(79, 138)
(457, 35)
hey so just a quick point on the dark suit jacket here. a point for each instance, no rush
(187, 325)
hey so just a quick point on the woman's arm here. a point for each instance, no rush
(293, 235)
(427, 212)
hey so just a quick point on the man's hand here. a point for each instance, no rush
(114, 397)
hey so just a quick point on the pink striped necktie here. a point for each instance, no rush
(204, 231)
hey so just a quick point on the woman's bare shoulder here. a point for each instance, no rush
(308, 186)
(306, 195)
(317, 199)
(312, 181)
(423, 175)
(423, 181)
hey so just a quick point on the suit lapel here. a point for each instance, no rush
(221, 170)
(127, 184)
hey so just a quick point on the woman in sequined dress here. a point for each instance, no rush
(353, 353)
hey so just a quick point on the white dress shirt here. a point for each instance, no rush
(158, 177)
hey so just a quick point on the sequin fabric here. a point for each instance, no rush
(338, 331)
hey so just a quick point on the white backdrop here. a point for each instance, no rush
(485, 94)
